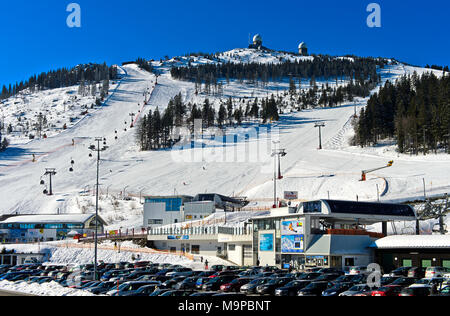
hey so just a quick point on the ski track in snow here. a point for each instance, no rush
(335, 170)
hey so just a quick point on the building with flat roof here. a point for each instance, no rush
(412, 251)
(166, 210)
(324, 233)
(34, 228)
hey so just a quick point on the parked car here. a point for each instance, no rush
(358, 270)
(435, 272)
(429, 282)
(180, 272)
(176, 293)
(314, 289)
(444, 292)
(250, 288)
(327, 277)
(337, 289)
(416, 291)
(142, 291)
(404, 282)
(400, 272)
(216, 283)
(388, 290)
(186, 284)
(417, 272)
(169, 284)
(357, 290)
(102, 288)
(270, 287)
(129, 286)
(235, 285)
(292, 288)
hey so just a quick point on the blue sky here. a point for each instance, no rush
(36, 37)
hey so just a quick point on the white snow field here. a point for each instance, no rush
(243, 169)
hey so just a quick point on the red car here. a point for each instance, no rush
(222, 273)
(235, 285)
(388, 290)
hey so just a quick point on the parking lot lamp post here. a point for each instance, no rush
(98, 149)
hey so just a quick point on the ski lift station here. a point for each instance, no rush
(324, 233)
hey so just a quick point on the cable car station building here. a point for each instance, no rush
(323, 233)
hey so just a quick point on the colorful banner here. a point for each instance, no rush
(292, 228)
(293, 244)
(266, 242)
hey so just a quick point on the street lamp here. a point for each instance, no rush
(98, 149)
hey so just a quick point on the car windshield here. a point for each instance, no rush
(336, 287)
(313, 286)
(124, 287)
(294, 283)
(274, 281)
(423, 281)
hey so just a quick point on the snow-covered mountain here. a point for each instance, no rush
(334, 171)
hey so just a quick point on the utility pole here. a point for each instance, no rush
(320, 126)
(98, 149)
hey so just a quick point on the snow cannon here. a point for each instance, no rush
(366, 172)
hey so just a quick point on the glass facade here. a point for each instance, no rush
(41, 226)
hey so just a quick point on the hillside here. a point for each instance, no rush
(336, 170)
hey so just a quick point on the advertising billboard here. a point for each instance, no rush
(289, 228)
(291, 195)
(292, 237)
(293, 244)
(266, 242)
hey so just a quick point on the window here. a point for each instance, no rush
(446, 264)
(155, 221)
(195, 250)
(349, 262)
(231, 247)
(426, 263)
(407, 263)
(312, 207)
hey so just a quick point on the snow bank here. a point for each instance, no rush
(46, 289)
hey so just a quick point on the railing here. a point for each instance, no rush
(199, 231)
(354, 232)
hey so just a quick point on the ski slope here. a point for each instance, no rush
(334, 171)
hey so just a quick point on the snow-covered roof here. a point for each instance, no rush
(413, 242)
(49, 219)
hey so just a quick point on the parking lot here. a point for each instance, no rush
(154, 279)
